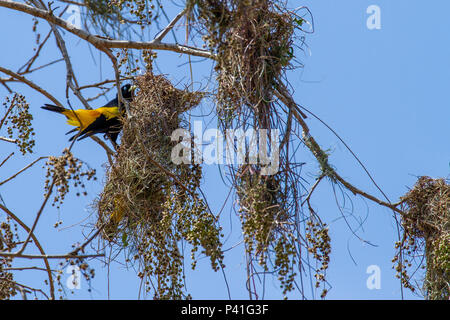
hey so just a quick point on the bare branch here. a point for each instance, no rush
(109, 152)
(366, 195)
(95, 85)
(169, 27)
(30, 62)
(100, 42)
(20, 287)
(70, 73)
(7, 139)
(313, 188)
(5, 85)
(44, 65)
(46, 256)
(22, 170)
(31, 84)
(38, 245)
(25, 268)
(81, 4)
(318, 153)
(6, 159)
(11, 106)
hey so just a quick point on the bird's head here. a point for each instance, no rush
(128, 91)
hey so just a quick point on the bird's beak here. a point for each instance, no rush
(133, 88)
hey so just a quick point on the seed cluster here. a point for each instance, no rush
(317, 235)
(254, 45)
(19, 118)
(63, 170)
(8, 242)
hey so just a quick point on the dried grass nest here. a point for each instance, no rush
(254, 44)
(427, 228)
(428, 208)
(138, 184)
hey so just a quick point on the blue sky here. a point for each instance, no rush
(384, 92)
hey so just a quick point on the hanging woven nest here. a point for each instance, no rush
(139, 182)
(426, 226)
(150, 204)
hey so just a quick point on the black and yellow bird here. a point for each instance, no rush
(105, 119)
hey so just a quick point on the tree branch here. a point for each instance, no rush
(7, 139)
(320, 155)
(6, 159)
(22, 170)
(169, 27)
(109, 152)
(30, 83)
(38, 245)
(46, 256)
(30, 62)
(99, 42)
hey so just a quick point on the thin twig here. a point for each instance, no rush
(8, 139)
(366, 195)
(26, 287)
(98, 84)
(81, 248)
(81, 4)
(30, 62)
(11, 106)
(314, 147)
(22, 170)
(45, 65)
(44, 203)
(31, 84)
(6, 159)
(100, 42)
(109, 152)
(313, 188)
(169, 27)
(46, 256)
(26, 268)
(38, 245)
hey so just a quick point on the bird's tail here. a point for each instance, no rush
(51, 107)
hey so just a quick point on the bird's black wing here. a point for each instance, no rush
(52, 107)
(113, 103)
(111, 126)
(98, 124)
(71, 131)
(113, 136)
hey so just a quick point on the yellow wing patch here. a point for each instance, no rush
(86, 117)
